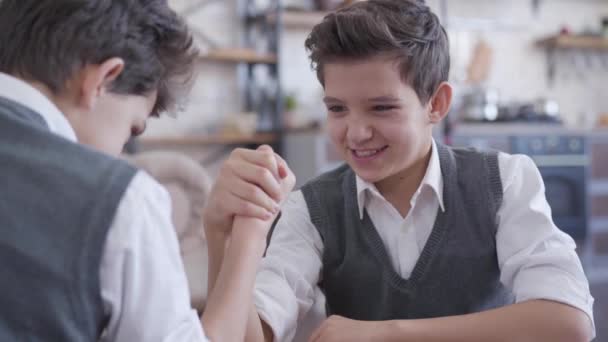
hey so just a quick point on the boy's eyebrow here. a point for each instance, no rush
(328, 99)
(386, 98)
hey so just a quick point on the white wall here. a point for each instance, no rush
(519, 68)
(216, 92)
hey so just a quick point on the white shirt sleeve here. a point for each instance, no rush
(143, 284)
(536, 259)
(288, 276)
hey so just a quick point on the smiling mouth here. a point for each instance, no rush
(368, 153)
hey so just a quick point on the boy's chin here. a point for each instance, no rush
(369, 176)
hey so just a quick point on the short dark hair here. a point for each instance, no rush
(405, 29)
(49, 40)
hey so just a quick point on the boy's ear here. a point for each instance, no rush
(96, 80)
(440, 102)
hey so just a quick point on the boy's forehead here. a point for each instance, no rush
(374, 80)
(377, 70)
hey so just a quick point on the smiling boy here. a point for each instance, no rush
(412, 240)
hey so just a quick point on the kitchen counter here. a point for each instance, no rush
(494, 129)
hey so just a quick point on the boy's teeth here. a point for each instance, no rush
(366, 153)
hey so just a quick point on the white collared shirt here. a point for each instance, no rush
(143, 284)
(536, 259)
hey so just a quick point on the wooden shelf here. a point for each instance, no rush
(239, 56)
(574, 42)
(217, 139)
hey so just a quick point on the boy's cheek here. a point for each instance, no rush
(337, 135)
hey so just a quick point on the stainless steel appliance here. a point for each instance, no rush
(563, 162)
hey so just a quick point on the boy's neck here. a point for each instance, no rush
(62, 101)
(399, 189)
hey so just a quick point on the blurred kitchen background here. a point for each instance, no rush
(530, 77)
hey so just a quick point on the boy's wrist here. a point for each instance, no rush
(395, 330)
(215, 236)
(251, 229)
(248, 240)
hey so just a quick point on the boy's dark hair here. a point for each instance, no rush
(405, 29)
(49, 40)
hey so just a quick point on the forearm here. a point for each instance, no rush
(257, 330)
(230, 300)
(216, 248)
(530, 321)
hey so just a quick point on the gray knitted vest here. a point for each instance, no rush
(457, 272)
(57, 201)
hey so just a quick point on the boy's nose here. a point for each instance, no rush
(359, 132)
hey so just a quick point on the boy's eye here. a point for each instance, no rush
(383, 108)
(336, 109)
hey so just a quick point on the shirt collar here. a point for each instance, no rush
(432, 179)
(19, 91)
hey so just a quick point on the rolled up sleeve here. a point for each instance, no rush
(288, 275)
